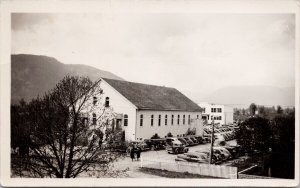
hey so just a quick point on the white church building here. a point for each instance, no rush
(143, 110)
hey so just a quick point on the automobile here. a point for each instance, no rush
(194, 140)
(217, 155)
(189, 141)
(193, 157)
(224, 153)
(183, 141)
(141, 144)
(173, 145)
(156, 144)
(200, 140)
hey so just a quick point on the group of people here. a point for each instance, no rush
(135, 151)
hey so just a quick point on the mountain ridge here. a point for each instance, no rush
(34, 75)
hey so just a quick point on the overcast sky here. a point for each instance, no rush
(195, 53)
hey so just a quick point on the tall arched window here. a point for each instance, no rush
(189, 119)
(94, 119)
(159, 120)
(125, 120)
(152, 120)
(107, 102)
(183, 120)
(166, 119)
(172, 120)
(178, 120)
(141, 119)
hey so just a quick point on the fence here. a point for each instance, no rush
(220, 171)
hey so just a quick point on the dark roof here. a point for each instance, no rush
(150, 97)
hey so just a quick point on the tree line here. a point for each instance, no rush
(270, 131)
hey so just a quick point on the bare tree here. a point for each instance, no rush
(66, 130)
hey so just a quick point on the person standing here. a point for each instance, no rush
(138, 153)
(132, 152)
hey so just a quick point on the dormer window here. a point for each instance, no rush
(94, 100)
(107, 102)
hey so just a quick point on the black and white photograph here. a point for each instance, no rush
(141, 92)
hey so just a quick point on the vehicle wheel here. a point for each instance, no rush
(176, 151)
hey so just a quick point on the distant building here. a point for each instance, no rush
(143, 110)
(222, 114)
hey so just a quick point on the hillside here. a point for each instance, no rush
(243, 96)
(33, 75)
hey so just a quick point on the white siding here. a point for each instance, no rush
(146, 131)
(122, 106)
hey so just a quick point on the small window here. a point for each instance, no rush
(178, 120)
(159, 120)
(94, 119)
(197, 116)
(220, 118)
(172, 120)
(166, 119)
(212, 109)
(107, 102)
(141, 119)
(152, 120)
(94, 100)
(219, 109)
(125, 120)
(189, 119)
(203, 110)
(183, 120)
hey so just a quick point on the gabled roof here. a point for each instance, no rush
(150, 97)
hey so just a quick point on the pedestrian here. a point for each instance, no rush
(132, 151)
(138, 153)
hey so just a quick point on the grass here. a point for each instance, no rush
(169, 174)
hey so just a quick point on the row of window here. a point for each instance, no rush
(216, 117)
(216, 109)
(95, 100)
(159, 120)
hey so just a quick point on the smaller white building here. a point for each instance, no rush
(222, 114)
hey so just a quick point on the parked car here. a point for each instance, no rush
(225, 154)
(183, 141)
(215, 158)
(156, 144)
(200, 140)
(173, 145)
(193, 157)
(194, 140)
(189, 141)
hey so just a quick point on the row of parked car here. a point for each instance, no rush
(226, 133)
(171, 144)
(220, 154)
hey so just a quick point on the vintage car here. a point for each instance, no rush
(193, 157)
(173, 145)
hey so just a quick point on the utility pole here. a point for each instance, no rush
(212, 141)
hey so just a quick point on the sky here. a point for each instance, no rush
(195, 53)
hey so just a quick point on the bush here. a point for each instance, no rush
(155, 136)
(169, 134)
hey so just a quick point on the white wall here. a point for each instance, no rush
(122, 106)
(147, 131)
